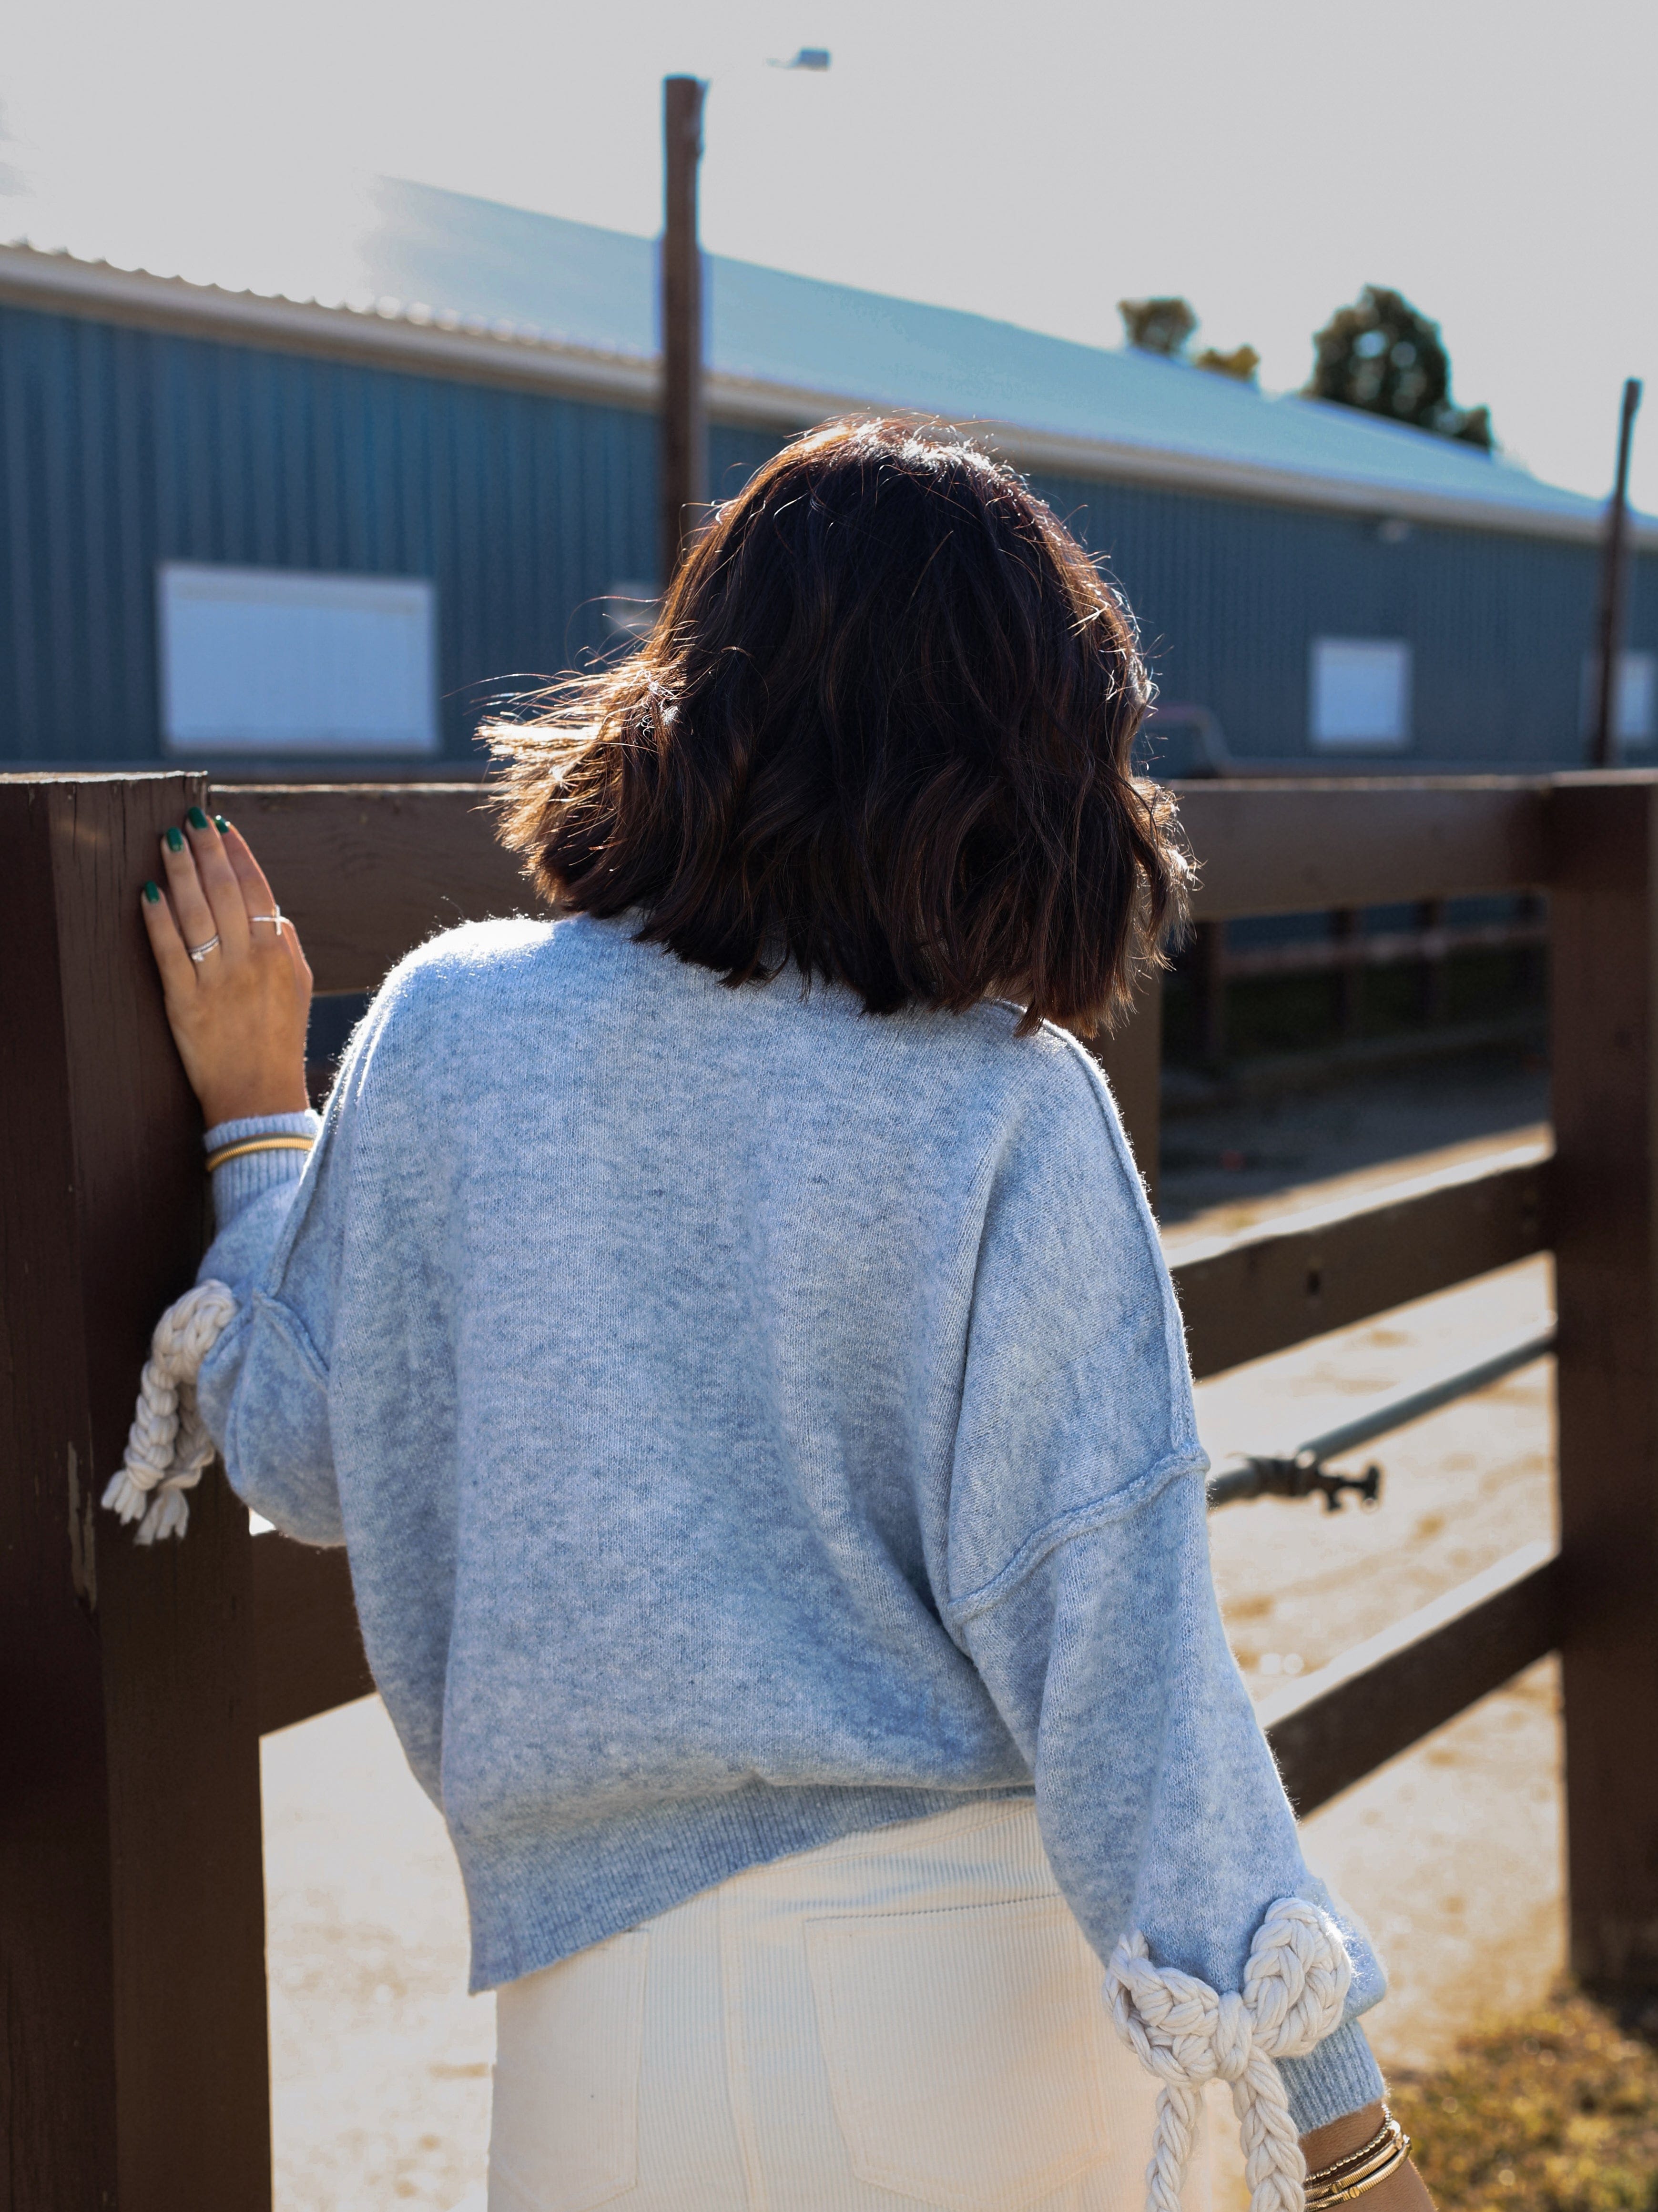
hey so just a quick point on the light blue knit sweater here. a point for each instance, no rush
(750, 1420)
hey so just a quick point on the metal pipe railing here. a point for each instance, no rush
(1302, 1472)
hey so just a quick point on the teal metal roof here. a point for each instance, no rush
(578, 285)
(474, 287)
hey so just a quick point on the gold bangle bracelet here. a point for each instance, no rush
(1342, 2192)
(257, 1144)
(1345, 2169)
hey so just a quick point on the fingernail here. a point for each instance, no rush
(152, 895)
(220, 823)
(197, 819)
(175, 841)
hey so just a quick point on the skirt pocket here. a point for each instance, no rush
(564, 2128)
(965, 2050)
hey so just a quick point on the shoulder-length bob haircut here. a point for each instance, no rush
(880, 731)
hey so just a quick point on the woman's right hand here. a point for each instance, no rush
(238, 1013)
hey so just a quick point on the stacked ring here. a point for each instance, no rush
(199, 952)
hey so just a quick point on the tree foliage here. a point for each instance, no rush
(1242, 362)
(1384, 356)
(1166, 327)
(1158, 325)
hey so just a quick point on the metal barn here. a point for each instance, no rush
(443, 488)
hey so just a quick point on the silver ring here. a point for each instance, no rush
(276, 918)
(199, 952)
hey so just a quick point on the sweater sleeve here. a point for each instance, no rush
(264, 1386)
(1080, 1586)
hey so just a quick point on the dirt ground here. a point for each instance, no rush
(1452, 1853)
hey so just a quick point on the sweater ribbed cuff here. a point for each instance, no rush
(1336, 2078)
(239, 1182)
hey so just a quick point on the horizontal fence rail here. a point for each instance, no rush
(1260, 1291)
(368, 871)
(1378, 948)
(1334, 1727)
(1266, 848)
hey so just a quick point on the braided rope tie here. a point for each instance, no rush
(1294, 1984)
(168, 1445)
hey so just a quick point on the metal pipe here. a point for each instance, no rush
(1299, 1472)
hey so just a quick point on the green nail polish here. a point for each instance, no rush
(152, 895)
(175, 841)
(220, 823)
(197, 819)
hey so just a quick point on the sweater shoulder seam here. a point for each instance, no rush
(1187, 1458)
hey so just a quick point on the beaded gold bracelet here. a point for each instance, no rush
(257, 1144)
(1361, 2169)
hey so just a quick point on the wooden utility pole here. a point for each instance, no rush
(684, 427)
(1614, 563)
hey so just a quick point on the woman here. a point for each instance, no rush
(726, 1331)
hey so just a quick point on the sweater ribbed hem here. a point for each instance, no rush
(240, 1181)
(543, 1899)
(1335, 2077)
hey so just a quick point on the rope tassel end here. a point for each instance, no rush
(169, 1445)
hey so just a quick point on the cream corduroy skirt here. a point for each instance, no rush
(910, 2015)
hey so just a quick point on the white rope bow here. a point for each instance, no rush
(1294, 1984)
(167, 1446)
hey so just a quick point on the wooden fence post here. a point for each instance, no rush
(1132, 1061)
(136, 2076)
(1604, 935)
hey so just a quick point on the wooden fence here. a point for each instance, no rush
(136, 1684)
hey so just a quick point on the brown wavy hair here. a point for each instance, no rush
(881, 731)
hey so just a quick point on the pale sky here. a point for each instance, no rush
(1497, 163)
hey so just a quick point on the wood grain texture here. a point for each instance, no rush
(369, 871)
(167, 1765)
(308, 1654)
(1132, 1061)
(1294, 847)
(1261, 1291)
(1604, 916)
(57, 2068)
(1345, 1721)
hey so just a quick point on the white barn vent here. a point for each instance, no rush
(1360, 691)
(288, 661)
(1635, 702)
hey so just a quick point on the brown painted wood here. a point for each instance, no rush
(684, 421)
(308, 1655)
(1603, 915)
(1431, 945)
(1132, 1061)
(369, 871)
(58, 2076)
(140, 2072)
(1345, 1722)
(1291, 847)
(1248, 1295)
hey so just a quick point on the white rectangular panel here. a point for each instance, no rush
(1360, 691)
(288, 661)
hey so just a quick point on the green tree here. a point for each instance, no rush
(1158, 325)
(1242, 362)
(1383, 356)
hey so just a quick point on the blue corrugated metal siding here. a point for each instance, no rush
(1230, 594)
(121, 449)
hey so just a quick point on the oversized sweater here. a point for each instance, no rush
(750, 1420)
